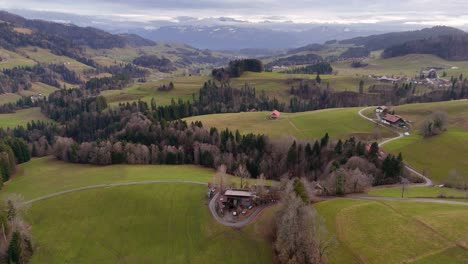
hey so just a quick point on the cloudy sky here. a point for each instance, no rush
(423, 12)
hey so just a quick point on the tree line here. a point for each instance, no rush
(138, 134)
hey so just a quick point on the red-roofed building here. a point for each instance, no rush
(275, 114)
(394, 120)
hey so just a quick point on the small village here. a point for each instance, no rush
(428, 77)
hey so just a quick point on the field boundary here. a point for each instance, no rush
(97, 186)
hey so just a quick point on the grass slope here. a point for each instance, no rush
(184, 88)
(39, 88)
(421, 192)
(408, 65)
(9, 59)
(447, 151)
(46, 56)
(7, 98)
(164, 223)
(21, 117)
(47, 175)
(395, 232)
(339, 123)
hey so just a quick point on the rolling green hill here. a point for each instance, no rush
(21, 117)
(439, 155)
(395, 232)
(164, 222)
(339, 123)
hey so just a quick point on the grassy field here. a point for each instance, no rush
(339, 123)
(447, 150)
(152, 223)
(409, 65)
(46, 56)
(395, 232)
(164, 223)
(47, 175)
(424, 192)
(184, 88)
(21, 117)
(9, 98)
(39, 88)
(9, 59)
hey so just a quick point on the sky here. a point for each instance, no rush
(410, 12)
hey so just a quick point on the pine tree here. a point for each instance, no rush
(292, 155)
(324, 141)
(14, 249)
(339, 147)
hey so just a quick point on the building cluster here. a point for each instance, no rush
(428, 77)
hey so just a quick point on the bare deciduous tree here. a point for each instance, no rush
(243, 174)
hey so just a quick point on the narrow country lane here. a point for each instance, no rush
(427, 181)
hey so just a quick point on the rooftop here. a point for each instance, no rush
(392, 118)
(238, 193)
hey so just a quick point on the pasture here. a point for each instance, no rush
(42, 176)
(447, 151)
(7, 98)
(46, 56)
(161, 223)
(21, 117)
(185, 87)
(39, 88)
(10, 59)
(395, 232)
(420, 192)
(338, 122)
(408, 65)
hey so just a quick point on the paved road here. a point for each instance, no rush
(246, 221)
(109, 185)
(427, 181)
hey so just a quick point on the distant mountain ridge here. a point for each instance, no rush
(383, 41)
(79, 36)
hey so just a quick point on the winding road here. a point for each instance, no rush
(427, 181)
(239, 224)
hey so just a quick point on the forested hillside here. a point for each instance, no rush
(383, 41)
(449, 47)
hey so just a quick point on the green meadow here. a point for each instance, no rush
(395, 232)
(21, 117)
(42, 176)
(161, 223)
(420, 192)
(440, 155)
(338, 123)
(150, 223)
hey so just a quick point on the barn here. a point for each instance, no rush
(394, 120)
(275, 114)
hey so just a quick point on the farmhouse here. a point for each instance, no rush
(275, 114)
(381, 109)
(430, 74)
(36, 97)
(235, 198)
(393, 120)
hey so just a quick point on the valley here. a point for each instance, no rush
(112, 146)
